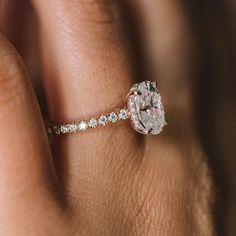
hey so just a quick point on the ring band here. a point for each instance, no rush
(144, 108)
(88, 124)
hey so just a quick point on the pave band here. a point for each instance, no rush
(144, 109)
(92, 123)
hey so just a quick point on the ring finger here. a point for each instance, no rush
(88, 71)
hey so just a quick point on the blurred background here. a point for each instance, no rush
(213, 27)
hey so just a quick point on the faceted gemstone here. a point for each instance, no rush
(123, 114)
(102, 120)
(112, 117)
(93, 123)
(146, 109)
(83, 125)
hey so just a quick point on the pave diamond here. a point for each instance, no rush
(123, 114)
(145, 106)
(113, 117)
(83, 125)
(93, 123)
(64, 129)
(69, 128)
(102, 120)
(55, 129)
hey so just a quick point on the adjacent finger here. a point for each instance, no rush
(27, 178)
(19, 25)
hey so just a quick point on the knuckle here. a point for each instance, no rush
(91, 11)
(11, 76)
(100, 22)
(105, 12)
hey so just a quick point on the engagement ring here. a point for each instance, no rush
(144, 108)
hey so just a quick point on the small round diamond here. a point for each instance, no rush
(56, 129)
(83, 125)
(64, 129)
(112, 117)
(123, 114)
(74, 127)
(93, 123)
(102, 120)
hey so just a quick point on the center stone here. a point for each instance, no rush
(146, 110)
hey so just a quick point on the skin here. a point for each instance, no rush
(107, 181)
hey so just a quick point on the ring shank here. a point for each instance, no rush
(67, 128)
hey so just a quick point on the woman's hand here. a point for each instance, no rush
(108, 181)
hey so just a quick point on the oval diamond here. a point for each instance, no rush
(146, 110)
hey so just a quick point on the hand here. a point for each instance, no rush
(108, 181)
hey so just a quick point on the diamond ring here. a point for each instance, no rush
(144, 108)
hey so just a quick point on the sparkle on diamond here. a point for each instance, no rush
(83, 125)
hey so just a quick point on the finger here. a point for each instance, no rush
(19, 25)
(27, 178)
(88, 71)
(88, 67)
(170, 50)
(87, 60)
